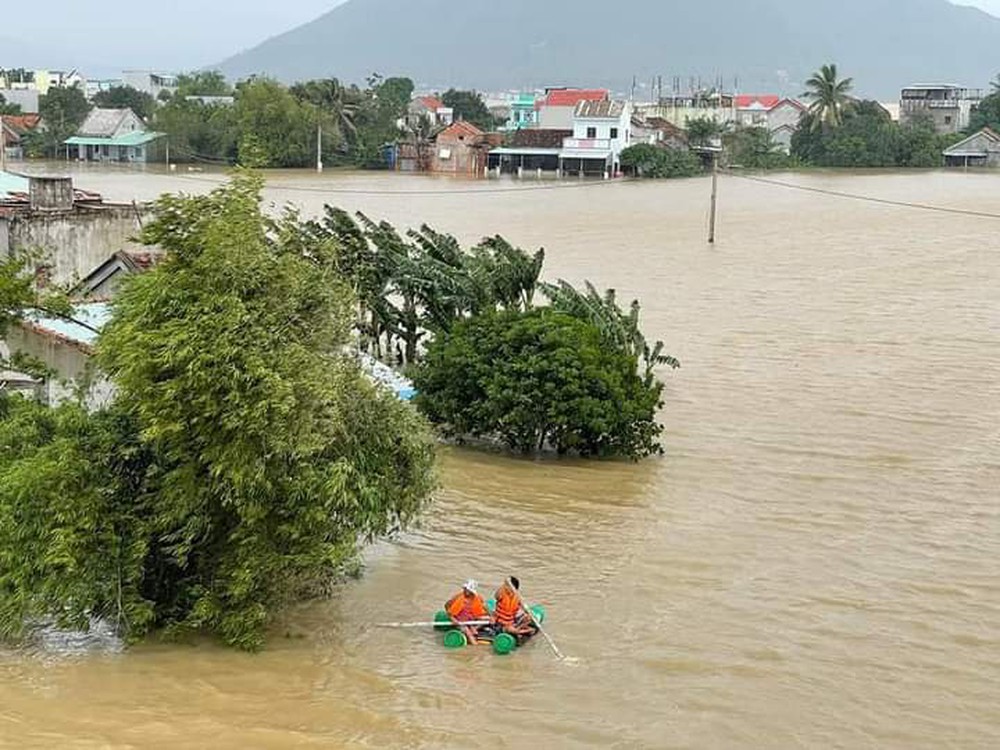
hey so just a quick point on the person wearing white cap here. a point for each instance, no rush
(468, 606)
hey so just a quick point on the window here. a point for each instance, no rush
(591, 132)
(614, 133)
(947, 119)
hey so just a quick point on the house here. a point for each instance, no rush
(780, 116)
(981, 149)
(432, 108)
(460, 149)
(752, 109)
(66, 346)
(103, 281)
(113, 135)
(658, 132)
(529, 149)
(524, 113)
(557, 108)
(679, 108)
(150, 82)
(13, 129)
(602, 129)
(948, 106)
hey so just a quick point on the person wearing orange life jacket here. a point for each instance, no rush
(510, 613)
(467, 606)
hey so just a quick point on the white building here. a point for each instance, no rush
(150, 82)
(601, 131)
(947, 106)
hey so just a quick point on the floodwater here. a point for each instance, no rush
(815, 563)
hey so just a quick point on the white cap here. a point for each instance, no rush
(471, 585)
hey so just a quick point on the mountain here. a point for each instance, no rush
(767, 44)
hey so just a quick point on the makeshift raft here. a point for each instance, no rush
(503, 643)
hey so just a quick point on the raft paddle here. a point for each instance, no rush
(537, 624)
(448, 624)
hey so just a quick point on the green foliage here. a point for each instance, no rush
(646, 160)
(122, 97)
(18, 296)
(202, 83)
(830, 97)
(469, 106)
(244, 458)
(63, 109)
(198, 132)
(867, 137)
(8, 109)
(539, 378)
(987, 112)
(276, 129)
(702, 131)
(754, 148)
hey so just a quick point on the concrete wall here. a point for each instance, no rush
(72, 364)
(75, 242)
(462, 158)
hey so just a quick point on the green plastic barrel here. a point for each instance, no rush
(491, 605)
(454, 639)
(539, 612)
(504, 643)
(442, 617)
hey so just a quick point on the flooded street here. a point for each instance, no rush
(815, 563)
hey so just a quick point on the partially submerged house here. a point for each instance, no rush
(602, 129)
(13, 130)
(780, 116)
(461, 149)
(557, 109)
(113, 135)
(981, 149)
(431, 108)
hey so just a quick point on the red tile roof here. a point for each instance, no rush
(572, 97)
(432, 103)
(757, 101)
(460, 130)
(22, 122)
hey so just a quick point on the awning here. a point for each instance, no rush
(505, 151)
(589, 154)
(136, 138)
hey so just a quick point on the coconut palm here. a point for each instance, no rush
(830, 97)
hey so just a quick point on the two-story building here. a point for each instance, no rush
(557, 109)
(948, 106)
(601, 131)
(523, 112)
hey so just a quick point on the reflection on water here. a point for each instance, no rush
(812, 564)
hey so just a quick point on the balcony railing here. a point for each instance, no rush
(583, 144)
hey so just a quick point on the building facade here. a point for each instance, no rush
(948, 106)
(601, 131)
(557, 109)
(980, 149)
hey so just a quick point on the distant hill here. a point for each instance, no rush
(769, 44)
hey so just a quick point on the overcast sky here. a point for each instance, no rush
(105, 37)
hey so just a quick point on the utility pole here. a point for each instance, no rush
(715, 196)
(3, 147)
(319, 149)
(168, 153)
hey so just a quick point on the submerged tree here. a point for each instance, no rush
(245, 455)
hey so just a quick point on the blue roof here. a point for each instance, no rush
(86, 317)
(12, 183)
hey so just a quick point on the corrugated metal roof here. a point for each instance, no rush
(87, 320)
(12, 183)
(135, 138)
(600, 109)
(102, 122)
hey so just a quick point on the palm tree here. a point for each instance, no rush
(830, 96)
(996, 84)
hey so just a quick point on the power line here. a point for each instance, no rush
(867, 198)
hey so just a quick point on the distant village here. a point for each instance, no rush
(558, 131)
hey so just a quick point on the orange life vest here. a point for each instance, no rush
(464, 608)
(508, 605)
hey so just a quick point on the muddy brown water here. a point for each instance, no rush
(814, 564)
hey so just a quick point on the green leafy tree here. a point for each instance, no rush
(830, 97)
(245, 455)
(536, 379)
(202, 83)
(754, 148)
(275, 128)
(986, 114)
(8, 109)
(63, 110)
(702, 131)
(126, 97)
(646, 160)
(469, 106)
(199, 132)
